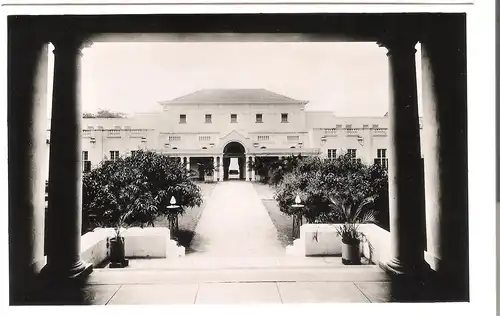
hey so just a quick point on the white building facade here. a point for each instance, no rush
(246, 124)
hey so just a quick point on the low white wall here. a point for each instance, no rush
(376, 243)
(95, 245)
(149, 242)
(322, 240)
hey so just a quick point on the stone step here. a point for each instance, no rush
(238, 275)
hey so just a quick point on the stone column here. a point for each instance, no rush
(444, 96)
(247, 172)
(253, 170)
(188, 165)
(405, 185)
(27, 168)
(222, 168)
(215, 167)
(65, 167)
(220, 173)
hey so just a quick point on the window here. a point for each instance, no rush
(375, 125)
(117, 127)
(292, 138)
(382, 158)
(87, 165)
(258, 118)
(332, 153)
(381, 153)
(366, 126)
(284, 117)
(204, 138)
(182, 119)
(174, 138)
(262, 138)
(234, 118)
(339, 126)
(85, 161)
(114, 154)
(208, 118)
(348, 126)
(352, 153)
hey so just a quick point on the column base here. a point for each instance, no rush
(77, 271)
(410, 282)
(63, 285)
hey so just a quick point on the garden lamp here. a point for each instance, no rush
(173, 220)
(297, 216)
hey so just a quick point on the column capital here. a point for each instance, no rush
(70, 44)
(397, 43)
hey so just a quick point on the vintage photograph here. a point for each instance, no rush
(237, 158)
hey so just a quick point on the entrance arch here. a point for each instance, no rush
(234, 150)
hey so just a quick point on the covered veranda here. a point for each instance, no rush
(437, 224)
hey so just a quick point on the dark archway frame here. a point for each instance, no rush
(234, 149)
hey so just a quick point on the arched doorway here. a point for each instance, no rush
(234, 161)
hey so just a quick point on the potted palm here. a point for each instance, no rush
(117, 244)
(351, 214)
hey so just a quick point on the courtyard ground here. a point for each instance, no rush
(281, 221)
(189, 220)
(235, 223)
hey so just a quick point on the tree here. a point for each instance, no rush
(315, 180)
(104, 113)
(135, 190)
(283, 166)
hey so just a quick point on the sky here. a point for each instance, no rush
(350, 79)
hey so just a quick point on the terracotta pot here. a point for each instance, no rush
(351, 253)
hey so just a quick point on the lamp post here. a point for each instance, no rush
(297, 217)
(173, 217)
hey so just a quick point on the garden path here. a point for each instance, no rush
(235, 223)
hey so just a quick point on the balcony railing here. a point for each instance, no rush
(137, 134)
(331, 131)
(352, 132)
(379, 132)
(114, 133)
(87, 134)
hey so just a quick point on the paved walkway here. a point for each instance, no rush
(235, 223)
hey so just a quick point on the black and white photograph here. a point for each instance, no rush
(238, 158)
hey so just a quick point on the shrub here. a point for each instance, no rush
(135, 190)
(315, 180)
(304, 180)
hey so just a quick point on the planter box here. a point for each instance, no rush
(95, 245)
(322, 240)
(209, 178)
(150, 242)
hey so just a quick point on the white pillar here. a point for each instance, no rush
(188, 166)
(405, 184)
(65, 171)
(247, 172)
(222, 168)
(27, 117)
(253, 170)
(215, 174)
